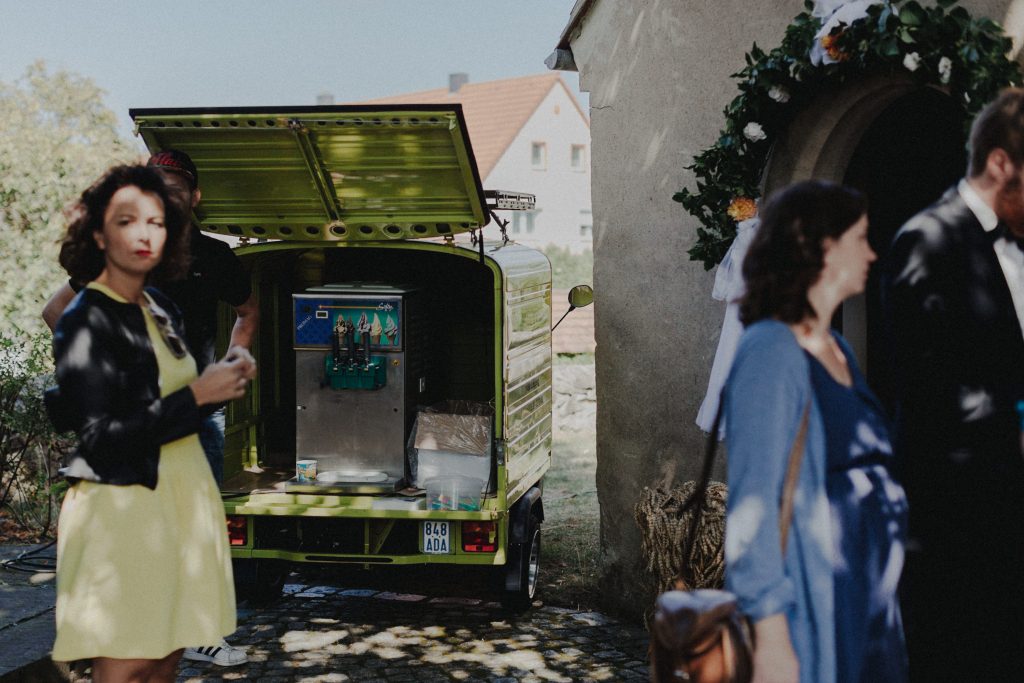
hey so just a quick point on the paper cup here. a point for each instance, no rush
(305, 470)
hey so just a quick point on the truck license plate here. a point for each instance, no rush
(437, 538)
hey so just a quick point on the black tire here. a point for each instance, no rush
(259, 581)
(523, 571)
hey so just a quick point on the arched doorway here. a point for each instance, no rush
(909, 155)
(899, 142)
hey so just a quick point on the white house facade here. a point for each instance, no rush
(550, 157)
(529, 134)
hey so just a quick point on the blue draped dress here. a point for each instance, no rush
(869, 524)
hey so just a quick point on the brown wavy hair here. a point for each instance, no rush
(82, 258)
(786, 255)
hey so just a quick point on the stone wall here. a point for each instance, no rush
(575, 400)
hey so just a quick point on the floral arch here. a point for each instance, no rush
(869, 53)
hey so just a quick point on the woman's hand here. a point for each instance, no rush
(224, 380)
(774, 658)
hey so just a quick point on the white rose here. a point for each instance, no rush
(912, 61)
(754, 132)
(945, 69)
(779, 94)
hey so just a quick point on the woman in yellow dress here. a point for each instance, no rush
(143, 564)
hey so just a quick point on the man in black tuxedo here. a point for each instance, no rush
(953, 293)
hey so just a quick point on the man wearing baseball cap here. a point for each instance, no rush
(215, 274)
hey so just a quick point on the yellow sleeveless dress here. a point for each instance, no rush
(140, 572)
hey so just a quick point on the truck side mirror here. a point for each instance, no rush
(579, 297)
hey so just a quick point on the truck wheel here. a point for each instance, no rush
(259, 580)
(522, 571)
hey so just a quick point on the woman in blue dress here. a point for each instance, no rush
(825, 609)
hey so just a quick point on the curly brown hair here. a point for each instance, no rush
(786, 255)
(84, 260)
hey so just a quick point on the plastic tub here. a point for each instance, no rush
(431, 464)
(453, 493)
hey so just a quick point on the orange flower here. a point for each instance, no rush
(741, 209)
(829, 42)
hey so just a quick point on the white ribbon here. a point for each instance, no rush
(729, 278)
(729, 287)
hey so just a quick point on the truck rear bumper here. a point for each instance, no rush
(369, 540)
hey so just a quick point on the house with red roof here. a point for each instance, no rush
(529, 134)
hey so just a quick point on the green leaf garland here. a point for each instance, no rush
(939, 46)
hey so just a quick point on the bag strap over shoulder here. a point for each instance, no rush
(796, 456)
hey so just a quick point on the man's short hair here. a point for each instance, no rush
(1000, 125)
(179, 162)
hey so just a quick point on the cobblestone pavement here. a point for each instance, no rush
(324, 632)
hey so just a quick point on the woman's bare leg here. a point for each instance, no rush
(166, 670)
(111, 670)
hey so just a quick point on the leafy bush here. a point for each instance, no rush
(30, 451)
(569, 269)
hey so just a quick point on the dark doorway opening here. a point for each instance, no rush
(912, 153)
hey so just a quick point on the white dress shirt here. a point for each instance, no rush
(1009, 253)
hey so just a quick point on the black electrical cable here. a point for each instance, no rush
(29, 562)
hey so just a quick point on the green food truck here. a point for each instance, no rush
(402, 410)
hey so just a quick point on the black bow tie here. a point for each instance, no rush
(1001, 230)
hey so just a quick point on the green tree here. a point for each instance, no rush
(569, 269)
(57, 138)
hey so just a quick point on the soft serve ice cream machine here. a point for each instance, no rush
(359, 373)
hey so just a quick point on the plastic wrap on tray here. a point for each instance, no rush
(469, 434)
(451, 443)
(455, 406)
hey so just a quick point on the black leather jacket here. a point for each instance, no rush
(108, 391)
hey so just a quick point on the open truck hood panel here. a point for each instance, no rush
(349, 172)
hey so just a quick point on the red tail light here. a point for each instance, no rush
(238, 530)
(479, 537)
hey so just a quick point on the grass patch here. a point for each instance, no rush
(571, 542)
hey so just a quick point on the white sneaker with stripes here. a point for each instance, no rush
(221, 655)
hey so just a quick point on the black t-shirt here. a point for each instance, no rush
(214, 274)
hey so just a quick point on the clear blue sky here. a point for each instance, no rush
(195, 53)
